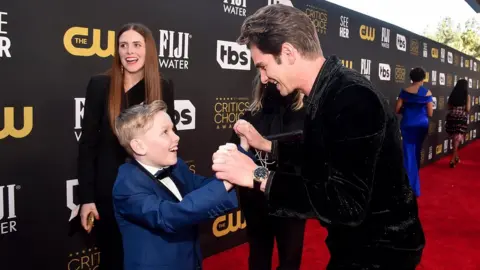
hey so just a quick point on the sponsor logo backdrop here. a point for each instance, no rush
(45, 67)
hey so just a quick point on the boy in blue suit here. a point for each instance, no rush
(158, 201)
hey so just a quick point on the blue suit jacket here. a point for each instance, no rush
(158, 230)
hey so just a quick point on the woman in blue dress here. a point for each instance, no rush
(415, 103)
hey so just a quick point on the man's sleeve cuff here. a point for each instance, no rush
(268, 185)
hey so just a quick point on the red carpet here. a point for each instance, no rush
(449, 211)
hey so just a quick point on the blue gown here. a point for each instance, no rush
(414, 127)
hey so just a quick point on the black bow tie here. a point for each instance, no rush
(165, 172)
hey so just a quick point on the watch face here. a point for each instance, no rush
(260, 173)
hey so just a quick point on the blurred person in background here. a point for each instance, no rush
(415, 104)
(457, 117)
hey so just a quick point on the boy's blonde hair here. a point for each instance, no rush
(135, 121)
(259, 95)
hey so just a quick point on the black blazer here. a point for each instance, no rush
(276, 116)
(100, 154)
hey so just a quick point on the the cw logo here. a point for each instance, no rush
(78, 36)
(427, 77)
(367, 33)
(9, 123)
(347, 63)
(222, 227)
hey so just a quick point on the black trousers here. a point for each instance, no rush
(109, 239)
(263, 229)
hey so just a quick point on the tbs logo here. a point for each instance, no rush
(231, 55)
(184, 115)
(401, 43)
(384, 72)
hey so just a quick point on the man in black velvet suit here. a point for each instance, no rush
(352, 175)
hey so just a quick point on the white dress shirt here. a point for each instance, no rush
(167, 181)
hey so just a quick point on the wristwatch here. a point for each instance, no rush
(260, 174)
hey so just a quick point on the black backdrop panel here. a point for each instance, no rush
(49, 50)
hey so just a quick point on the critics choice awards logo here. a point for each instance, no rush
(174, 49)
(449, 80)
(319, 17)
(400, 74)
(8, 223)
(235, 7)
(15, 129)
(82, 41)
(227, 110)
(5, 42)
(414, 47)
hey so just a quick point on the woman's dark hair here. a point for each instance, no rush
(417, 74)
(459, 94)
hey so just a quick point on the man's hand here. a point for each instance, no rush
(254, 139)
(244, 142)
(85, 210)
(234, 167)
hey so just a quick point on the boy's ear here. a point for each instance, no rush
(138, 147)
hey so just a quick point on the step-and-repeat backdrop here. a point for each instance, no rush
(49, 50)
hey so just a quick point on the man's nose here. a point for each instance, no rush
(263, 77)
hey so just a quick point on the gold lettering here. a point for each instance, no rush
(439, 149)
(367, 33)
(227, 113)
(9, 123)
(347, 63)
(78, 35)
(427, 77)
(85, 262)
(319, 19)
(221, 228)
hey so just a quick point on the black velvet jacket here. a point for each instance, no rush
(353, 179)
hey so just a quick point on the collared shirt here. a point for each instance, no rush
(167, 181)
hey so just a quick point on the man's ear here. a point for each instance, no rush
(289, 52)
(138, 147)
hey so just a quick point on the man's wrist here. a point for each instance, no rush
(267, 146)
(263, 185)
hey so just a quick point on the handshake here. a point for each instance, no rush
(234, 166)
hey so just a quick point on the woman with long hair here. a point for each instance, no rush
(134, 78)
(415, 103)
(457, 117)
(271, 114)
